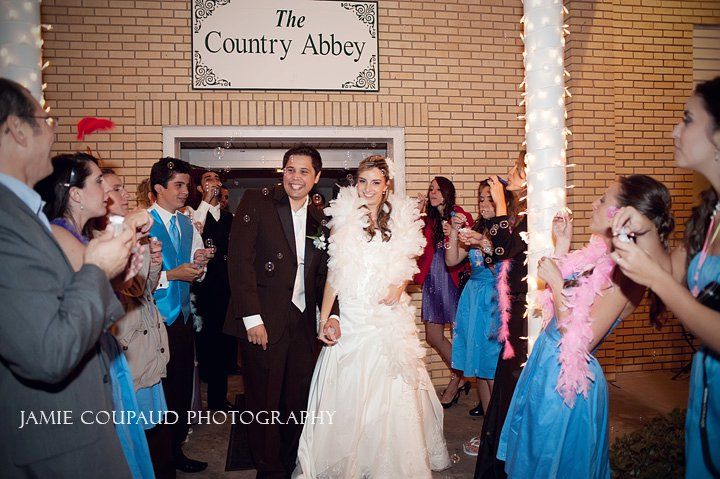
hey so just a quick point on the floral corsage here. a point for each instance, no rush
(319, 240)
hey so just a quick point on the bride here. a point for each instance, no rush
(386, 418)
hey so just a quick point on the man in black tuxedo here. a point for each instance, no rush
(213, 294)
(277, 276)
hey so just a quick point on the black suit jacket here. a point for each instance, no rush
(212, 294)
(262, 263)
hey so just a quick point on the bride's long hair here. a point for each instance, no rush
(385, 208)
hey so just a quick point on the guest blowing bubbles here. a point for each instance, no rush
(141, 332)
(697, 264)
(475, 333)
(506, 231)
(557, 423)
(76, 193)
(440, 291)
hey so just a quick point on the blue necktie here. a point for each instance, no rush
(174, 234)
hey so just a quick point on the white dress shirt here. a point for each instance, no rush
(197, 242)
(203, 209)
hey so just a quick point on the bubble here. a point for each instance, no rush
(279, 256)
(447, 245)
(246, 218)
(265, 191)
(323, 222)
(455, 458)
(228, 144)
(236, 183)
(316, 198)
(269, 266)
(219, 152)
(653, 354)
(350, 179)
(439, 245)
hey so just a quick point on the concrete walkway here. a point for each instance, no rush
(634, 397)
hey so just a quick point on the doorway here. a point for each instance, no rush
(251, 157)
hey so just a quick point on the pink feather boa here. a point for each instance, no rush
(575, 375)
(505, 304)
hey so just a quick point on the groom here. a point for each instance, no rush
(277, 275)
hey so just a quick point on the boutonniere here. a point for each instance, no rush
(319, 240)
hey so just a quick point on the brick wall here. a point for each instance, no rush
(449, 76)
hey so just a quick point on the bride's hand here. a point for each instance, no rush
(329, 331)
(393, 295)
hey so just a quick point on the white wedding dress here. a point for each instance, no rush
(387, 421)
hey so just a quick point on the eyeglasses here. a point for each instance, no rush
(51, 121)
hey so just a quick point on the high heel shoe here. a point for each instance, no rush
(464, 388)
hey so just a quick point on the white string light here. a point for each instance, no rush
(545, 136)
(21, 45)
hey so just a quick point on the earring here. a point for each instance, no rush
(717, 155)
(81, 206)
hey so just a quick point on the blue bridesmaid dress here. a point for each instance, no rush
(544, 437)
(706, 364)
(475, 345)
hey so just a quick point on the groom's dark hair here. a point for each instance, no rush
(304, 150)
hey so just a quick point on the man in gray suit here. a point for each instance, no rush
(51, 317)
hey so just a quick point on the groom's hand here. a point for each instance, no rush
(258, 335)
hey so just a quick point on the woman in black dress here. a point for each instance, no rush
(505, 233)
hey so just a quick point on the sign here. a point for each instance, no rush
(284, 45)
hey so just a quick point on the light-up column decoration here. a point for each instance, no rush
(545, 136)
(21, 44)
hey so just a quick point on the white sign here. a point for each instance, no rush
(285, 45)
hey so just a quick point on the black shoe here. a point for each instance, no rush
(185, 464)
(477, 411)
(464, 388)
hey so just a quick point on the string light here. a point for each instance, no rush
(545, 136)
(21, 48)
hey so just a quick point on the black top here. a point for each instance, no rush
(508, 244)
(213, 292)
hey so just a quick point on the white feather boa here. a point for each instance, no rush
(361, 271)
